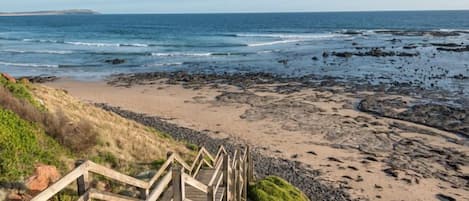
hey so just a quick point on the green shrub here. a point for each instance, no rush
(275, 188)
(20, 91)
(22, 146)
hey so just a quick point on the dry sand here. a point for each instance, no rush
(319, 129)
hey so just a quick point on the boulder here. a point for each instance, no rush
(44, 175)
(9, 77)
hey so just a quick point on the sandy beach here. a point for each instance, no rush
(374, 157)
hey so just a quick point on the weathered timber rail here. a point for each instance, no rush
(222, 177)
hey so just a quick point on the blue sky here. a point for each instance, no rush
(203, 6)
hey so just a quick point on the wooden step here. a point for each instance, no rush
(195, 194)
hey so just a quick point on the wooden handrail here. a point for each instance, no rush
(195, 183)
(160, 187)
(98, 169)
(234, 174)
(160, 171)
(217, 169)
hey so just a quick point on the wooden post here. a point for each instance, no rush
(238, 175)
(179, 193)
(250, 165)
(226, 177)
(210, 193)
(235, 181)
(144, 193)
(82, 181)
(246, 181)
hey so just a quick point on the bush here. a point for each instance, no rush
(275, 188)
(22, 146)
(20, 91)
(76, 136)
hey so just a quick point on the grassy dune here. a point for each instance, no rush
(44, 125)
(41, 125)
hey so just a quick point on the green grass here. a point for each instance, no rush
(275, 188)
(20, 91)
(159, 133)
(22, 146)
(106, 158)
(157, 163)
(192, 147)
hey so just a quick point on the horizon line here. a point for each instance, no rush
(248, 12)
(273, 12)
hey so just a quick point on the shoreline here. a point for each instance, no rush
(367, 154)
(299, 176)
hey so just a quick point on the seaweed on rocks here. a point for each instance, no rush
(445, 117)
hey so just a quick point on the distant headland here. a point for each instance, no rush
(51, 12)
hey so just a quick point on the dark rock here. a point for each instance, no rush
(446, 44)
(460, 77)
(343, 54)
(391, 172)
(371, 159)
(460, 49)
(115, 61)
(407, 47)
(443, 197)
(39, 79)
(420, 33)
(347, 177)
(444, 117)
(375, 52)
(283, 61)
(334, 159)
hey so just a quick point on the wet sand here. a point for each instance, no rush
(375, 157)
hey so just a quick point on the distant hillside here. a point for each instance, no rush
(51, 12)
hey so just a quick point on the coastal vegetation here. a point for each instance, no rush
(22, 145)
(44, 126)
(275, 188)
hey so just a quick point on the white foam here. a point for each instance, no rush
(272, 43)
(29, 65)
(40, 51)
(41, 40)
(174, 54)
(164, 64)
(94, 44)
(294, 36)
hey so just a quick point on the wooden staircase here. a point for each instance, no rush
(208, 178)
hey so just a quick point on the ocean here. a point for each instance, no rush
(287, 44)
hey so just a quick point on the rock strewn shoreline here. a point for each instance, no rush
(291, 171)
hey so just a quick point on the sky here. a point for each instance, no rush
(217, 6)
